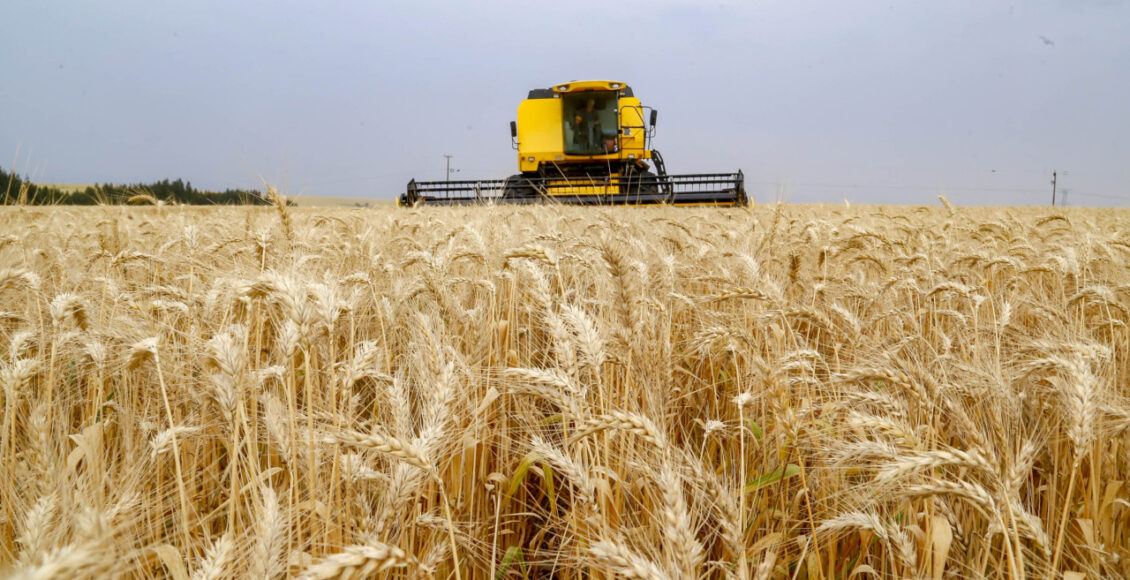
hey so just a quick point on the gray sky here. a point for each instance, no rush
(876, 102)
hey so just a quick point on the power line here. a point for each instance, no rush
(1101, 195)
(900, 187)
(936, 188)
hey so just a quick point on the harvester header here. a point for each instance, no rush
(585, 143)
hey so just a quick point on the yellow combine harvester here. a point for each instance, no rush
(584, 143)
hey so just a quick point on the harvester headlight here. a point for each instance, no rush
(631, 156)
(614, 85)
(563, 88)
(529, 159)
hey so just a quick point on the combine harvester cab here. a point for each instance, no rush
(584, 143)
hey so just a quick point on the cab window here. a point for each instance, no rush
(591, 123)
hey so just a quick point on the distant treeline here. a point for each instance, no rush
(18, 190)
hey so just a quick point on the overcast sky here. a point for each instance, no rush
(817, 101)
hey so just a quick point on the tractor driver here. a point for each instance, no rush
(586, 126)
(587, 130)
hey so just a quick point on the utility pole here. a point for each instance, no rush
(1053, 188)
(447, 174)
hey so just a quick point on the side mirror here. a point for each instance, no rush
(654, 116)
(513, 130)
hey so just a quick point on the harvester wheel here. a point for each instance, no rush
(517, 186)
(649, 182)
(641, 183)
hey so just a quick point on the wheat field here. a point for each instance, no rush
(819, 392)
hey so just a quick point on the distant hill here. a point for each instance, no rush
(17, 190)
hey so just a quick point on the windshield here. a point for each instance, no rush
(591, 124)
